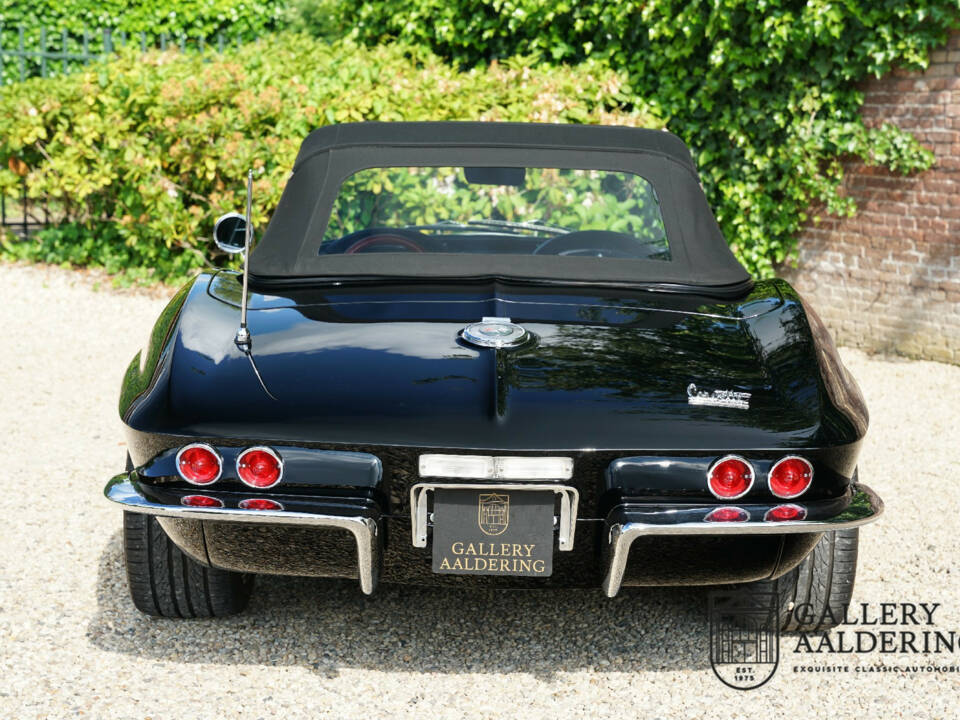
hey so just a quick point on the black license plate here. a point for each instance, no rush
(493, 532)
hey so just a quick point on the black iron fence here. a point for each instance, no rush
(22, 216)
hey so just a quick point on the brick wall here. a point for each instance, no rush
(888, 279)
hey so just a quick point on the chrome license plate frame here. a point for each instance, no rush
(566, 525)
(493, 532)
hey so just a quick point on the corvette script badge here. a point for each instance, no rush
(718, 398)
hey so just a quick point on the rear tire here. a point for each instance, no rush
(813, 596)
(165, 582)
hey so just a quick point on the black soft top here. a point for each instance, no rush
(701, 259)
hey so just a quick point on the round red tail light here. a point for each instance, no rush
(730, 477)
(199, 464)
(259, 467)
(727, 514)
(260, 504)
(785, 512)
(201, 501)
(790, 477)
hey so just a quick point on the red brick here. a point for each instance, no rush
(948, 164)
(937, 184)
(889, 278)
(938, 71)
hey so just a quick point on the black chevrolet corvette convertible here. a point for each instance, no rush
(499, 355)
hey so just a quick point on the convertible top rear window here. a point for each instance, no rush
(615, 205)
(488, 210)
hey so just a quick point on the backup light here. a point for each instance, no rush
(790, 477)
(475, 467)
(484, 467)
(533, 468)
(199, 464)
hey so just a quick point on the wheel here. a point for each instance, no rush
(165, 582)
(814, 595)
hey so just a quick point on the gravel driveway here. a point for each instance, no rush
(71, 642)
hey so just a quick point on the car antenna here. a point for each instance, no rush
(243, 334)
(243, 339)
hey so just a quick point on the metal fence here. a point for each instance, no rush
(22, 216)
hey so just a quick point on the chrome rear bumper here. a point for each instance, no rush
(864, 507)
(624, 525)
(126, 492)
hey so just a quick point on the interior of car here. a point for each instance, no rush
(494, 210)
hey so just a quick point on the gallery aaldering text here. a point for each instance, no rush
(868, 637)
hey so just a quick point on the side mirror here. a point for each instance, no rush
(229, 232)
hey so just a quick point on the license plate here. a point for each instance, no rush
(493, 532)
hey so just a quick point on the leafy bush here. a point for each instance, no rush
(320, 18)
(766, 94)
(193, 19)
(140, 154)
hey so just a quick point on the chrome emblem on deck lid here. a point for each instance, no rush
(494, 332)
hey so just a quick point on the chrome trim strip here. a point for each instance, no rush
(865, 507)
(126, 492)
(569, 499)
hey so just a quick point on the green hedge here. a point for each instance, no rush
(139, 155)
(765, 93)
(194, 18)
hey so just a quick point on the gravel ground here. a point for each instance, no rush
(71, 642)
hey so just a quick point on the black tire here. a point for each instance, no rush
(165, 582)
(813, 596)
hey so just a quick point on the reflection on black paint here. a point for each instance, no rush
(606, 369)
